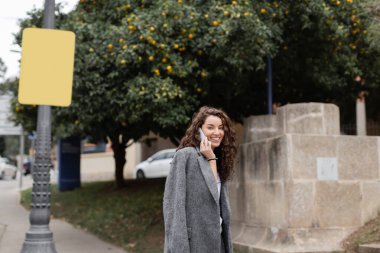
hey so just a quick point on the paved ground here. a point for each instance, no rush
(14, 223)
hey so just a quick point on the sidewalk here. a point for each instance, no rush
(14, 223)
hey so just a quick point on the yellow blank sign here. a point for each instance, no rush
(47, 64)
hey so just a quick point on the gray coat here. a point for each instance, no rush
(192, 208)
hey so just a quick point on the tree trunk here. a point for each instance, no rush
(118, 147)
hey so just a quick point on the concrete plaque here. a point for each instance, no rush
(327, 168)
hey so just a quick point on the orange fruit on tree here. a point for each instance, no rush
(169, 69)
(215, 23)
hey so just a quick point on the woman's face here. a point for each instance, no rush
(214, 130)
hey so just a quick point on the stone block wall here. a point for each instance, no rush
(303, 118)
(299, 185)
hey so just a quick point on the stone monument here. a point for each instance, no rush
(299, 185)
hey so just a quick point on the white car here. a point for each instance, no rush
(158, 165)
(7, 169)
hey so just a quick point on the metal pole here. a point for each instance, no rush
(270, 85)
(39, 238)
(21, 156)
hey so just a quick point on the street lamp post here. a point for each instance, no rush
(39, 238)
(269, 87)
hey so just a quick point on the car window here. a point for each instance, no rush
(4, 160)
(158, 157)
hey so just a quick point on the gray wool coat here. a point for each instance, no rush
(192, 209)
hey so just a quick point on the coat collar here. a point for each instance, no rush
(209, 177)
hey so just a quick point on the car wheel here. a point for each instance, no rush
(2, 175)
(140, 174)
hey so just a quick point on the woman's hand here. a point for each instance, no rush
(207, 152)
(206, 149)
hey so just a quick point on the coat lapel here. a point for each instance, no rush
(209, 177)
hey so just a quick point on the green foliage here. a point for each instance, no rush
(371, 63)
(154, 62)
(371, 8)
(322, 51)
(145, 65)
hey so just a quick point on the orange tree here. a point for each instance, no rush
(371, 9)
(156, 61)
(144, 65)
(147, 65)
(326, 46)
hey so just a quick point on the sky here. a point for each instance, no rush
(10, 12)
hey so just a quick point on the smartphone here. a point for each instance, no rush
(203, 136)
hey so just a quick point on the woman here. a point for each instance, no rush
(196, 205)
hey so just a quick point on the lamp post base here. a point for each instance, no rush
(39, 240)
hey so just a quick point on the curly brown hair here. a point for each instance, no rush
(226, 152)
